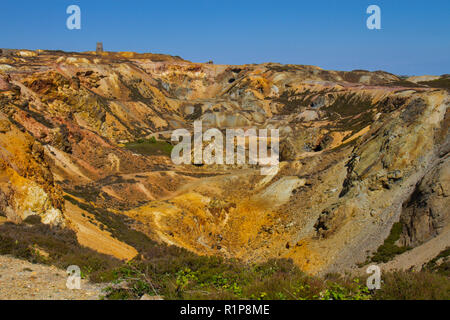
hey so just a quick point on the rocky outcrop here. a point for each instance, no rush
(26, 183)
(426, 214)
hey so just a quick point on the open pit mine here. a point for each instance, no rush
(85, 145)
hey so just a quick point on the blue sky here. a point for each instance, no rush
(332, 34)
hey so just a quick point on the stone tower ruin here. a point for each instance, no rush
(99, 47)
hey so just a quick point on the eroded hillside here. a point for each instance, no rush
(359, 151)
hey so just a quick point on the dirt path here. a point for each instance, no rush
(22, 280)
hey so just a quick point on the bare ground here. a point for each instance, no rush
(22, 280)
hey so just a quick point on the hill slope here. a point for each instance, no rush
(359, 152)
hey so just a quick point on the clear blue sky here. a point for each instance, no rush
(332, 34)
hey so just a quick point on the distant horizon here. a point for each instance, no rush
(414, 38)
(224, 64)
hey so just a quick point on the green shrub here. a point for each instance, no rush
(442, 268)
(407, 285)
(150, 147)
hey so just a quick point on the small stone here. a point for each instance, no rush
(395, 175)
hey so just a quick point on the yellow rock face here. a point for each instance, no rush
(26, 185)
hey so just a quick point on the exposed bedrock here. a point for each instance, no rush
(359, 151)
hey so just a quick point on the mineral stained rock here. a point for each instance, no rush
(359, 151)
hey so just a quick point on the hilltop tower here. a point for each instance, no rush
(99, 47)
